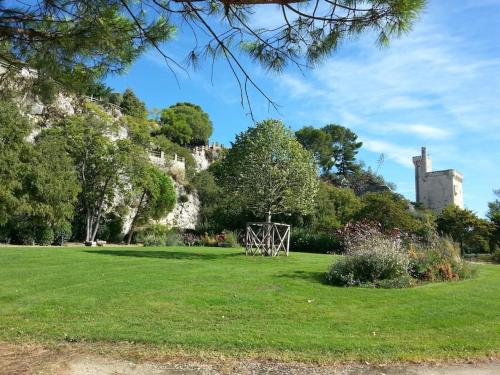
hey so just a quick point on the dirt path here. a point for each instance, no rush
(38, 360)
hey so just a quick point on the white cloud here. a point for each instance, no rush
(399, 154)
(420, 130)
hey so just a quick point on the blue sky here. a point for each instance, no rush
(438, 86)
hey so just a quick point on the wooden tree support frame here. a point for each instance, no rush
(267, 239)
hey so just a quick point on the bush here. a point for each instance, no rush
(173, 238)
(496, 256)
(154, 235)
(305, 241)
(438, 260)
(229, 239)
(62, 233)
(151, 239)
(110, 229)
(371, 260)
(44, 236)
(208, 240)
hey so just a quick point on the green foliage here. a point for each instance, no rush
(335, 148)
(494, 216)
(38, 186)
(132, 106)
(334, 207)
(496, 256)
(268, 172)
(153, 235)
(463, 226)
(185, 123)
(388, 209)
(307, 241)
(319, 143)
(218, 212)
(110, 229)
(44, 236)
(51, 183)
(62, 233)
(77, 42)
(102, 164)
(14, 128)
(173, 238)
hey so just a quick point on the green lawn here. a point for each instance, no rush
(208, 299)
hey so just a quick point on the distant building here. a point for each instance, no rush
(436, 190)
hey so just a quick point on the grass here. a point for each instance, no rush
(217, 300)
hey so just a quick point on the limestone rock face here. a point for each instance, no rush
(205, 155)
(186, 210)
(63, 105)
(201, 160)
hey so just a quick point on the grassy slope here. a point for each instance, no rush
(217, 299)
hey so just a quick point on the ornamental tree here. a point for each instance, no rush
(268, 172)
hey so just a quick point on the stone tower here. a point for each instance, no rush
(436, 190)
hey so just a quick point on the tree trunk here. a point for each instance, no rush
(132, 224)
(99, 209)
(88, 226)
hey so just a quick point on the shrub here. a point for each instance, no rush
(438, 260)
(208, 240)
(173, 238)
(191, 239)
(151, 239)
(62, 233)
(370, 259)
(44, 235)
(229, 239)
(154, 235)
(496, 256)
(305, 241)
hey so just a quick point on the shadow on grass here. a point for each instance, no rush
(163, 254)
(314, 277)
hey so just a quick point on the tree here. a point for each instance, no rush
(319, 143)
(494, 216)
(389, 210)
(101, 162)
(267, 171)
(334, 207)
(131, 105)
(38, 185)
(345, 147)
(471, 232)
(76, 42)
(175, 128)
(70, 40)
(334, 146)
(155, 196)
(14, 128)
(186, 123)
(51, 184)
